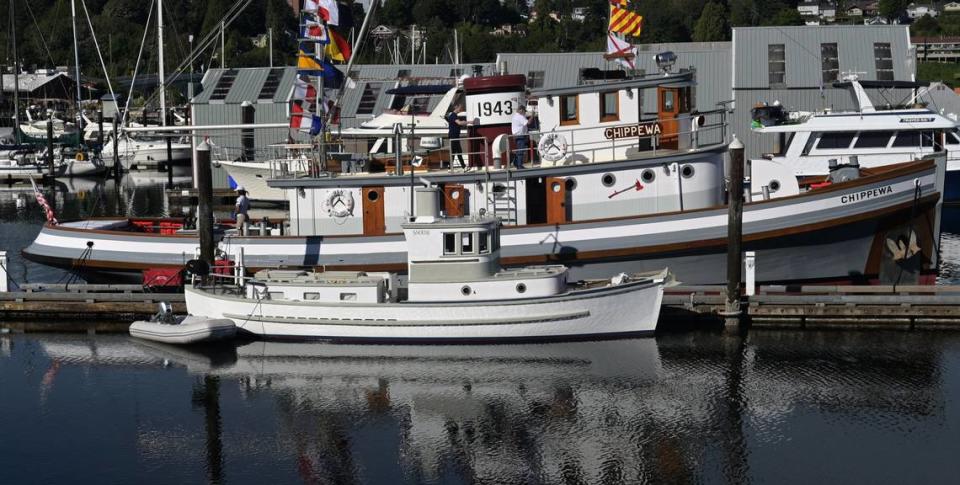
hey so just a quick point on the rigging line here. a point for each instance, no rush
(176, 33)
(96, 44)
(136, 69)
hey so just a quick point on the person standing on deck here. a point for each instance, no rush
(241, 208)
(454, 123)
(519, 128)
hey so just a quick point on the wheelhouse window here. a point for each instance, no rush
(953, 137)
(777, 65)
(449, 243)
(883, 61)
(835, 140)
(829, 62)
(483, 242)
(905, 139)
(873, 139)
(610, 106)
(569, 107)
(466, 242)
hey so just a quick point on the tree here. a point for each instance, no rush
(925, 25)
(712, 24)
(787, 16)
(891, 9)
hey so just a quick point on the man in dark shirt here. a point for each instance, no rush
(454, 123)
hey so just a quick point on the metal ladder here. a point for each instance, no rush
(504, 204)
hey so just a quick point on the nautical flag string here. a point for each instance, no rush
(623, 21)
(339, 49)
(328, 11)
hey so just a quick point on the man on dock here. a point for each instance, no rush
(241, 208)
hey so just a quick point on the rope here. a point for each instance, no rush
(136, 68)
(96, 44)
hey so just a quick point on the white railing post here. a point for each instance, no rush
(4, 276)
(750, 264)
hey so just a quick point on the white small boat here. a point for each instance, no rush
(169, 329)
(456, 291)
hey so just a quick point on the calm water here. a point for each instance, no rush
(776, 407)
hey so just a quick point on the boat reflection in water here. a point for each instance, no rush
(678, 408)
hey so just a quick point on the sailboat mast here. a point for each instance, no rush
(76, 62)
(163, 92)
(16, 74)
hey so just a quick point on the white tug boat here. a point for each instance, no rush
(455, 291)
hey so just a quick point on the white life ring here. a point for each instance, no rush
(552, 147)
(339, 203)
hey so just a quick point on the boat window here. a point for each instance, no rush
(483, 242)
(829, 62)
(668, 101)
(610, 106)
(311, 295)
(348, 297)
(568, 110)
(811, 138)
(927, 138)
(907, 139)
(835, 139)
(449, 243)
(777, 64)
(953, 138)
(883, 61)
(466, 243)
(275, 295)
(873, 139)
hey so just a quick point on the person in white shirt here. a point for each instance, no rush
(518, 128)
(241, 208)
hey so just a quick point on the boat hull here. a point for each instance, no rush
(838, 235)
(253, 177)
(627, 309)
(189, 331)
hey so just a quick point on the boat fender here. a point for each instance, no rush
(79, 156)
(197, 267)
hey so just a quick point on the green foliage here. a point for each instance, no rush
(949, 73)
(925, 25)
(712, 25)
(892, 8)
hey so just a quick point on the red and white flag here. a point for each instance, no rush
(328, 11)
(621, 51)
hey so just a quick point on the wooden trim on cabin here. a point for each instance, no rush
(616, 115)
(576, 110)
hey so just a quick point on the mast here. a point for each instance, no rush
(16, 74)
(163, 92)
(76, 61)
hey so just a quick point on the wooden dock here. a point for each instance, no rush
(107, 308)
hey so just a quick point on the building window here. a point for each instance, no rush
(610, 106)
(777, 65)
(829, 62)
(535, 79)
(569, 110)
(883, 59)
(368, 100)
(403, 73)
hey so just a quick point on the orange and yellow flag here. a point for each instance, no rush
(623, 21)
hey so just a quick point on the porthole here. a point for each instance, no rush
(373, 196)
(455, 194)
(555, 187)
(571, 184)
(465, 290)
(687, 171)
(774, 185)
(608, 180)
(521, 288)
(648, 176)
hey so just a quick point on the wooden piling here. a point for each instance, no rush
(205, 203)
(732, 312)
